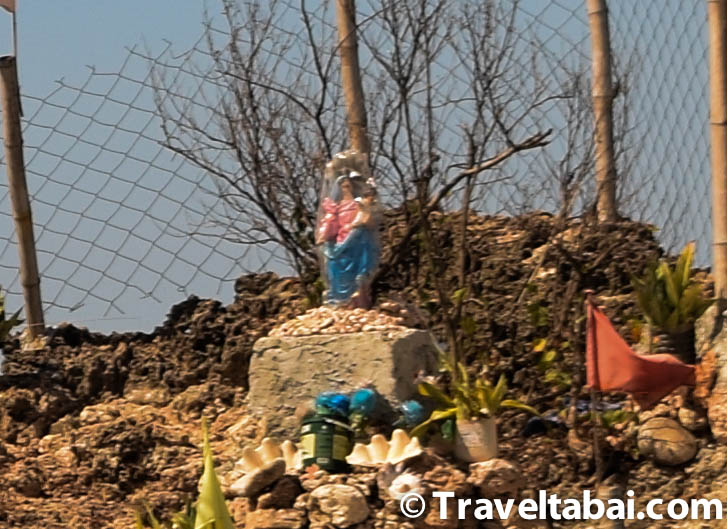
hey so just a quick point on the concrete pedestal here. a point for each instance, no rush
(286, 372)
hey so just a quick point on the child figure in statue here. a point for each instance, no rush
(347, 232)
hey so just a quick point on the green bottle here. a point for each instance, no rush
(326, 440)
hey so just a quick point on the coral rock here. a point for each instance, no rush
(666, 441)
(496, 478)
(340, 505)
(275, 519)
(282, 495)
(253, 483)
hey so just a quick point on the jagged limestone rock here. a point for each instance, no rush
(287, 372)
(711, 389)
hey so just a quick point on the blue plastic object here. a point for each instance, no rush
(540, 425)
(363, 401)
(413, 412)
(584, 406)
(331, 402)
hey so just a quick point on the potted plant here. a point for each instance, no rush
(671, 301)
(471, 407)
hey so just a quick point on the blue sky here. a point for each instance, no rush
(58, 38)
(112, 208)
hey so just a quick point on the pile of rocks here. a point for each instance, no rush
(329, 320)
(368, 498)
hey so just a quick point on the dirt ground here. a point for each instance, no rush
(92, 425)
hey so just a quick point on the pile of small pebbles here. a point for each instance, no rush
(330, 320)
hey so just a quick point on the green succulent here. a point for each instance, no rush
(668, 296)
(210, 510)
(7, 324)
(466, 399)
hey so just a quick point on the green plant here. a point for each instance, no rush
(548, 363)
(182, 520)
(669, 297)
(465, 399)
(210, 510)
(7, 324)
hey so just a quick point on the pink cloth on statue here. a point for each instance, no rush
(347, 211)
(328, 227)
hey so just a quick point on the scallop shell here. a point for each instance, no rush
(380, 451)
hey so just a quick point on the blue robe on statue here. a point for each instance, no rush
(351, 263)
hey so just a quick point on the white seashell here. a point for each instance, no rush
(379, 447)
(380, 451)
(268, 451)
(250, 461)
(404, 484)
(293, 457)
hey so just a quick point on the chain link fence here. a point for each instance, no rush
(123, 224)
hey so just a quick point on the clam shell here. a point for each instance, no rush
(380, 451)
(268, 451)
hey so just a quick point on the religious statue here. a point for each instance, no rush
(347, 231)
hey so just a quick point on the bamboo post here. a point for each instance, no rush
(351, 75)
(717, 19)
(602, 93)
(10, 105)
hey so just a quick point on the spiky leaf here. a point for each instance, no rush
(509, 403)
(430, 390)
(212, 510)
(437, 415)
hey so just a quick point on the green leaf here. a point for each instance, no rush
(509, 403)
(430, 390)
(539, 344)
(538, 314)
(683, 269)
(468, 325)
(672, 287)
(548, 357)
(211, 507)
(437, 415)
(459, 295)
(613, 417)
(464, 378)
(498, 394)
(466, 408)
(448, 429)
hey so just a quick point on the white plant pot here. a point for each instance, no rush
(476, 440)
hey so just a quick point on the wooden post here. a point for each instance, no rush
(717, 19)
(351, 75)
(602, 93)
(595, 415)
(10, 101)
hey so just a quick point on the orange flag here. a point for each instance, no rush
(611, 365)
